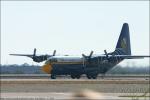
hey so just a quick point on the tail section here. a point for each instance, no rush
(124, 40)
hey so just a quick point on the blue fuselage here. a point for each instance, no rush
(95, 66)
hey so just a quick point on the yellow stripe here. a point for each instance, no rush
(47, 68)
(67, 63)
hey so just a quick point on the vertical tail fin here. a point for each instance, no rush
(124, 40)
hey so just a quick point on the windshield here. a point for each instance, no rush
(49, 61)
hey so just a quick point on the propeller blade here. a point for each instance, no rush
(88, 56)
(54, 53)
(106, 54)
(34, 52)
(91, 54)
(84, 55)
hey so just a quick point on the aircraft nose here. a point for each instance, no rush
(47, 68)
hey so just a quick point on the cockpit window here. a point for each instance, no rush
(47, 62)
(51, 61)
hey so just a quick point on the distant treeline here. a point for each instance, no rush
(36, 69)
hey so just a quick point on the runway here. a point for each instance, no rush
(72, 81)
(70, 96)
(47, 76)
(117, 88)
(70, 85)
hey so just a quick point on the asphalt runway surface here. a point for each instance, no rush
(47, 89)
(47, 76)
(89, 95)
(65, 85)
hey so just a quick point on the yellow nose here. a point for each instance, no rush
(47, 68)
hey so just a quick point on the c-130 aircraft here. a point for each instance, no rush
(91, 65)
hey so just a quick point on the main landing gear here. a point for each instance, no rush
(75, 76)
(91, 76)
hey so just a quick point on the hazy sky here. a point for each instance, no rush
(71, 27)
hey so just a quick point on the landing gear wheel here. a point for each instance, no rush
(73, 76)
(88, 76)
(94, 76)
(53, 76)
(78, 76)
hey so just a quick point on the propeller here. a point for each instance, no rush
(41, 58)
(88, 58)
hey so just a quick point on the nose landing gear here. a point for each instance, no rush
(53, 76)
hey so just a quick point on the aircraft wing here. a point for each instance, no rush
(132, 56)
(110, 55)
(30, 55)
(27, 55)
(125, 56)
(36, 58)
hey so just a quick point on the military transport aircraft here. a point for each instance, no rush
(91, 65)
